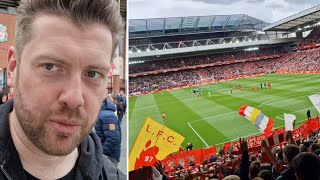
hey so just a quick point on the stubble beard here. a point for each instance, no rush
(36, 127)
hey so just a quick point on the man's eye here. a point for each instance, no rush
(93, 74)
(51, 67)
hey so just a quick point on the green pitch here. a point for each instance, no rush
(212, 121)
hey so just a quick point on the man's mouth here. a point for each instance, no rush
(65, 126)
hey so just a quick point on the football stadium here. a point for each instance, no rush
(194, 74)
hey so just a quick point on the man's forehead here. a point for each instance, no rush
(53, 25)
(58, 32)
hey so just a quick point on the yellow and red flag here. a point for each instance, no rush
(153, 143)
(256, 117)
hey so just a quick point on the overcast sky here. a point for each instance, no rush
(266, 10)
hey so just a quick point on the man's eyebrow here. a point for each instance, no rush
(52, 58)
(105, 68)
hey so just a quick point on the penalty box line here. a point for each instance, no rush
(197, 134)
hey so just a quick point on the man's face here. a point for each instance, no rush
(60, 82)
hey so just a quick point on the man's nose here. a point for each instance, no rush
(72, 93)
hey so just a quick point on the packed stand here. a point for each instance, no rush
(239, 69)
(190, 77)
(307, 60)
(163, 81)
(200, 60)
(312, 38)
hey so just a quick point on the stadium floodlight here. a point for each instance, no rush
(157, 49)
(130, 51)
(148, 49)
(138, 50)
(252, 49)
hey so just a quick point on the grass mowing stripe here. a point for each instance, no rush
(138, 117)
(178, 116)
(132, 102)
(289, 94)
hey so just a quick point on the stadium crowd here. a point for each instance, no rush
(292, 159)
(312, 38)
(296, 61)
(200, 60)
(163, 81)
(307, 60)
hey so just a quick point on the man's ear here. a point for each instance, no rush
(12, 66)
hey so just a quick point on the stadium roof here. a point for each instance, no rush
(178, 25)
(299, 20)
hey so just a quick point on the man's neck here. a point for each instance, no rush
(36, 162)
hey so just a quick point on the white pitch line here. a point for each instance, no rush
(279, 118)
(238, 138)
(212, 117)
(236, 112)
(304, 109)
(151, 106)
(198, 135)
(268, 102)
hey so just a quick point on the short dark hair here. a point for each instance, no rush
(314, 147)
(307, 143)
(303, 148)
(80, 12)
(306, 166)
(265, 174)
(291, 150)
(253, 171)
